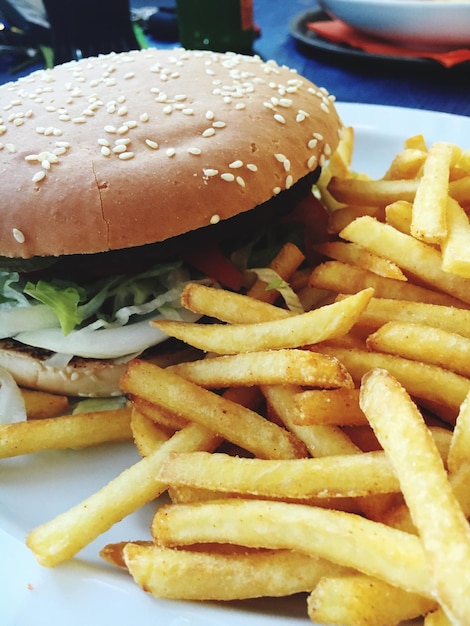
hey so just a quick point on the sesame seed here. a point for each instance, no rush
(129, 75)
(240, 181)
(103, 142)
(119, 149)
(105, 151)
(3, 129)
(252, 167)
(209, 172)
(79, 120)
(229, 178)
(18, 235)
(311, 162)
(276, 191)
(194, 151)
(312, 144)
(46, 164)
(122, 111)
(152, 144)
(208, 132)
(170, 152)
(125, 141)
(210, 115)
(144, 117)
(324, 107)
(279, 118)
(219, 124)
(39, 176)
(188, 111)
(215, 219)
(110, 129)
(10, 147)
(125, 156)
(236, 164)
(289, 182)
(168, 109)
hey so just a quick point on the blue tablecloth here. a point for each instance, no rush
(407, 84)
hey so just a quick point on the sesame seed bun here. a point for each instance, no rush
(134, 148)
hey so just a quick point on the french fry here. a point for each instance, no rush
(329, 406)
(344, 278)
(416, 142)
(148, 436)
(382, 310)
(70, 431)
(441, 524)
(319, 440)
(40, 404)
(355, 255)
(437, 618)
(230, 420)
(398, 215)
(340, 218)
(454, 247)
(422, 380)
(284, 265)
(62, 537)
(372, 192)
(196, 575)
(362, 601)
(228, 306)
(338, 476)
(406, 164)
(308, 328)
(343, 538)
(421, 342)
(270, 367)
(459, 452)
(429, 213)
(413, 256)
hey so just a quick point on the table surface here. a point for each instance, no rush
(418, 85)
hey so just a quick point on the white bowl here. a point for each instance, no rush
(429, 24)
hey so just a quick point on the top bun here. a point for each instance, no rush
(132, 148)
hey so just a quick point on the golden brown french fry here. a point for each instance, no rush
(284, 264)
(329, 406)
(61, 538)
(340, 218)
(416, 142)
(41, 404)
(406, 164)
(454, 247)
(343, 538)
(344, 278)
(70, 431)
(232, 421)
(434, 509)
(372, 192)
(198, 575)
(319, 440)
(362, 601)
(459, 452)
(421, 380)
(415, 257)
(398, 215)
(421, 342)
(113, 553)
(338, 476)
(331, 320)
(437, 618)
(429, 213)
(148, 435)
(355, 255)
(270, 367)
(228, 306)
(382, 310)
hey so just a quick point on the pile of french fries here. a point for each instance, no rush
(325, 451)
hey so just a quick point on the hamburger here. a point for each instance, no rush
(128, 174)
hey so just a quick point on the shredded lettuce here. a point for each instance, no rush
(274, 281)
(111, 301)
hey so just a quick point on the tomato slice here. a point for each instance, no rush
(213, 263)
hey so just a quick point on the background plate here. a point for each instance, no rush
(35, 488)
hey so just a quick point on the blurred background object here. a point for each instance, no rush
(89, 27)
(215, 25)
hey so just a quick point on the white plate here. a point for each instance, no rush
(37, 487)
(430, 24)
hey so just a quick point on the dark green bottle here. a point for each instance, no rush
(218, 25)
